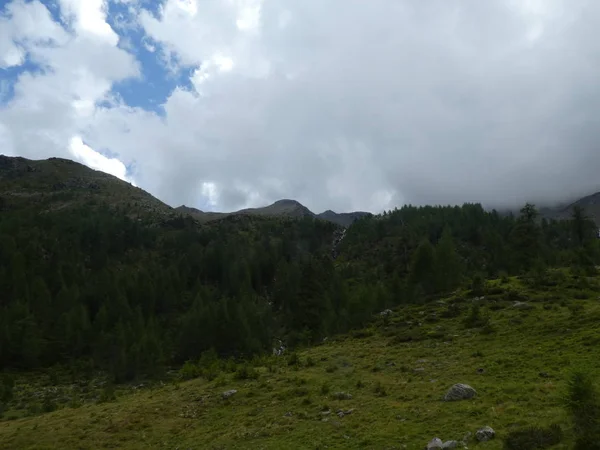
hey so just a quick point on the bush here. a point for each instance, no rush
(475, 318)
(189, 371)
(310, 362)
(477, 284)
(583, 404)
(379, 389)
(7, 384)
(244, 372)
(533, 438)
(293, 359)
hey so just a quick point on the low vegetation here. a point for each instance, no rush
(382, 393)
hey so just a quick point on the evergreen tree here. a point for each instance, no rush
(447, 263)
(422, 268)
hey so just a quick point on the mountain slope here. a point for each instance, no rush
(590, 203)
(57, 183)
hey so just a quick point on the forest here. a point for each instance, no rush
(92, 288)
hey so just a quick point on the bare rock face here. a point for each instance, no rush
(460, 392)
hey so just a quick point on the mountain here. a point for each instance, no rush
(343, 219)
(281, 208)
(590, 203)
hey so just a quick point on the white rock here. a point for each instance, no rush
(435, 444)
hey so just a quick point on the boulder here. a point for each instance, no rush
(460, 392)
(228, 394)
(485, 434)
(435, 444)
(450, 444)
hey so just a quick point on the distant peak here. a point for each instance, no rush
(287, 201)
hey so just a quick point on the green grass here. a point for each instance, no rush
(394, 406)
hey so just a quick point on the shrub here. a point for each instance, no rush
(475, 318)
(331, 368)
(244, 372)
(583, 403)
(7, 384)
(310, 362)
(189, 371)
(477, 284)
(379, 389)
(293, 359)
(533, 438)
(325, 388)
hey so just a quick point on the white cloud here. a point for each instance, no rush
(90, 18)
(363, 106)
(91, 158)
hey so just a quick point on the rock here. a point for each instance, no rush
(288, 414)
(386, 312)
(421, 361)
(341, 413)
(325, 413)
(460, 392)
(342, 396)
(522, 305)
(419, 369)
(229, 394)
(450, 444)
(485, 434)
(481, 371)
(435, 444)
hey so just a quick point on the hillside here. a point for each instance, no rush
(56, 183)
(394, 372)
(590, 203)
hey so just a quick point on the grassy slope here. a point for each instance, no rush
(553, 338)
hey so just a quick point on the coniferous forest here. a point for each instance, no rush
(92, 286)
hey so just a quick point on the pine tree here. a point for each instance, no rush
(422, 267)
(448, 266)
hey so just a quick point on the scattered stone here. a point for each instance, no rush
(522, 305)
(450, 444)
(485, 434)
(326, 413)
(435, 444)
(341, 413)
(386, 312)
(421, 361)
(419, 369)
(390, 364)
(229, 394)
(342, 396)
(481, 371)
(288, 414)
(460, 392)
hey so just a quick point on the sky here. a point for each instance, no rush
(343, 105)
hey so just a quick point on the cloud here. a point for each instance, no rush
(88, 156)
(365, 106)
